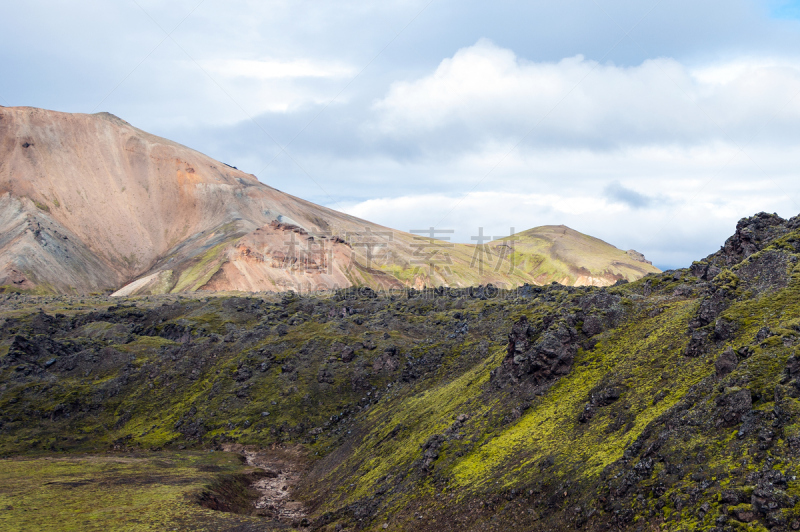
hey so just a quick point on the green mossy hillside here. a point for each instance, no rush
(669, 403)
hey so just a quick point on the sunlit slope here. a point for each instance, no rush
(568, 257)
(538, 256)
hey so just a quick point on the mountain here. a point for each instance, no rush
(668, 403)
(88, 203)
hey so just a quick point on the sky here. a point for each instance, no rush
(653, 125)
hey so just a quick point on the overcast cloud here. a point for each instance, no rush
(652, 125)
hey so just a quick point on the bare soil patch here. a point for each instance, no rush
(284, 468)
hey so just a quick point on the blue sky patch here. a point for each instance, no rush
(786, 9)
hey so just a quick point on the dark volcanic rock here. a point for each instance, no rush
(599, 300)
(726, 362)
(763, 334)
(769, 496)
(387, 362)
(734, 496)
(752, 234)
(793, 366)
(592, 325)
(597, 400)
(348, 354)
(518, 341)
(733, 405)
(709, 309)
(697, 344)
(768, 271)
(242, 374)
(704, 271)
(724, 329)
(430, 451)
(539, 359)
(325, 375)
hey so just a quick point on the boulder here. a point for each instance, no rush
(733, 405)
(726, 362)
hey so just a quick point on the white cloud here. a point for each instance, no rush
(247, 88)
(487, 92)
(694, 195)
(277, 86)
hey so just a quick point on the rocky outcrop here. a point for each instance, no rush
(726, 362)
(638, 257)
(537, 357)
(769, 497)
(752, 235)
(732, 406)
(597, 400)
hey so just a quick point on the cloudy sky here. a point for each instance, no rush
(653, 125)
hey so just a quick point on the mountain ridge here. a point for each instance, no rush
(96, 204)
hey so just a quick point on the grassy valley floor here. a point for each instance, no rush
(153, 491)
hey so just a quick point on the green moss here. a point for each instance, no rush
(551, 426)
(726, 280)
(10, 289)
(42, 289)
(201, 270)
(421, 416)
(114, 493)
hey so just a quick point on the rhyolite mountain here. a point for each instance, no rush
(668, 403)
(89, 203)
